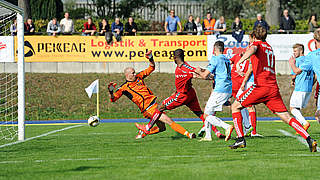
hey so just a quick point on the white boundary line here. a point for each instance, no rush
(300, 139)
(42, 135)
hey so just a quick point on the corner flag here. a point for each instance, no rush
(94, 88)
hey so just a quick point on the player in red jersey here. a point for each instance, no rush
(185, 94)
(265, 90)
(239, 84)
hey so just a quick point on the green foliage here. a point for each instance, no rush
(46, 9)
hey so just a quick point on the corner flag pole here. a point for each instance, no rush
(98, 99)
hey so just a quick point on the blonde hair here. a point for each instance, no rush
(316, 35)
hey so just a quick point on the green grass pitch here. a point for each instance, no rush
(110, 151)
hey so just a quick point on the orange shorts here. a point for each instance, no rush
(150, 111)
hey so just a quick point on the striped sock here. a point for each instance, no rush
(237, 120)
(298, 127)
(156, 115)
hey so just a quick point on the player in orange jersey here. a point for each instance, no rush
(136, 90)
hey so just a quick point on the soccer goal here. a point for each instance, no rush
(12, 86)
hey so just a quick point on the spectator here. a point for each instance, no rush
(89, 28)
(208, 24)
(190, 26)
(171, 23)
(262, 22)
(29, 28)
(13, 28)
(237, 31)
(66, 24)
(220, 26)
(117, 29)
(103, 27)
(53, 27)
(131, 27)
(287, 22)
(313, 25)
(199, 26)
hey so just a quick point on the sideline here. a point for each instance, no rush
(42, 135)
(299, 138)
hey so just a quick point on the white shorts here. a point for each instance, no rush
(299, 99)
(248, 84)
(318, 104)
(215, 102)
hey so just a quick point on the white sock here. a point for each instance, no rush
(245, 118)
(297, 114)
(208, 127)
(217, 122)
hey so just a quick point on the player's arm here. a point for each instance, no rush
(293, 79)
(204, 74)
(292, 63)
(246, 77)
(143, 74)
(249, 52)
(114, 96)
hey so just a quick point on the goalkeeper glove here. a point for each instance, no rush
(149, 55)
(111, 86)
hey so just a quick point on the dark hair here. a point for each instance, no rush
(260, 33)
(315, 15)
(179, 53)
(219, 45)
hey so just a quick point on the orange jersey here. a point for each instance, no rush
(137, 91)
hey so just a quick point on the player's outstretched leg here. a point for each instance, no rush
(154, 130)
(237, 120)
(285, 116)
(299, 117)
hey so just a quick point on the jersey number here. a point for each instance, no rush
(270, 57)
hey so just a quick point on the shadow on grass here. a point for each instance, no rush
(178, 136)
(84, 168)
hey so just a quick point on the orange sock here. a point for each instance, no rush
(176, 127)
(154, 130)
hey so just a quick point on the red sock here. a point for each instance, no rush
(156, 115)
(214, 129)
(237, 120)
(253, 120)
(298, 127)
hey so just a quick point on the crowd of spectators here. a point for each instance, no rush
(172, 26)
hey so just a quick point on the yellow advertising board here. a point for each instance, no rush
(95, 48)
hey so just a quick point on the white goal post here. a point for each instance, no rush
(21, 68)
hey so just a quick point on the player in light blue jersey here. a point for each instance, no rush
(303, 82)
(219, 68)
(312, 62)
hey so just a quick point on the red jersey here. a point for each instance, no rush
(263, 64)
(243, 67)
(183, 77)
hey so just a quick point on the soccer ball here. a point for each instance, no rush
(93, 121)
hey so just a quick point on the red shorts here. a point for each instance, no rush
(178, 99)
(236, 84)
(270, 96)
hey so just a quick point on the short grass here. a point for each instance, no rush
(110, 151)
(62, 96)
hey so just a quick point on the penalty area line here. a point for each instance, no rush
(42, 135)
(300, 139)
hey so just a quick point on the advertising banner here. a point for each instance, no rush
(95, 48)
(6, 49)
(281, 44)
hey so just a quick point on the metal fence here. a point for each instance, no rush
(161, 10)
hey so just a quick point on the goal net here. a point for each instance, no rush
(11, 80)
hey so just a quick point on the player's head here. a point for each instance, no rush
(298, 50)
(178, 56)
(316, 36)
(218, 47)
(260, 33)
(130, 74)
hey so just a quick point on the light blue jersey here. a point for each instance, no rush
(219, 66)
(303, 81)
